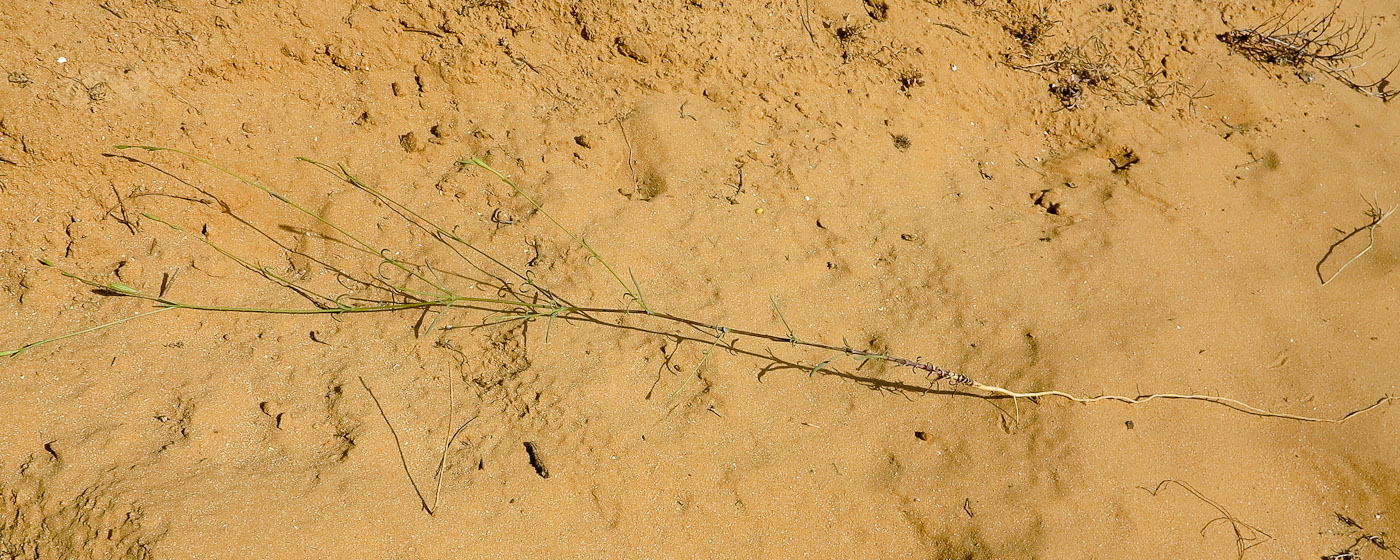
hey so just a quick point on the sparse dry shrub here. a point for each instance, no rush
(1328, 44)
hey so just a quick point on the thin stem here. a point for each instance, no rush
(36, 343)
(1377, 216)
(704, 359)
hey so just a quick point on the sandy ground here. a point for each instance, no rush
(912, 177)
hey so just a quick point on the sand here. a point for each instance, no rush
(933, 180)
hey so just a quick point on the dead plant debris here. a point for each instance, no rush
(1076, 71)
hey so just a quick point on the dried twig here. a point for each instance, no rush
(1027, 25)
(1377, 216)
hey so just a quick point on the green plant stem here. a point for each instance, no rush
(518, 309)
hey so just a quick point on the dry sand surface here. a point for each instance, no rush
(1085, 196)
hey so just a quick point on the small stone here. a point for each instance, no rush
(410, 143)
(20, 79)
(1124, 159)
(1051, 200)
(502, 217)
(633, 49)
(98, 91)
